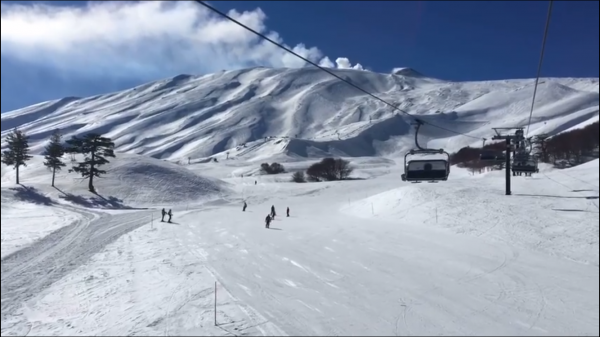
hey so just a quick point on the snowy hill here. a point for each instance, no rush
(132, 181)
(362, 257)
(308, 111)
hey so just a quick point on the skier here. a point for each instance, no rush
(268, 221)
(170, 214)
(273, 212)
(255, 182)
(163, 215)
(288, 212)
(245, 206)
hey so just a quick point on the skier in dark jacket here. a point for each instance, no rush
(163, 215)
(288, 212)
(268, 221)
(245, 206)
(273, 212)
(170, 214)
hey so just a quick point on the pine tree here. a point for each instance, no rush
(95, 149)
(17, 153)
(53, 154)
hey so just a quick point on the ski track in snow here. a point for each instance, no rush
(27, 272)
(354, 258)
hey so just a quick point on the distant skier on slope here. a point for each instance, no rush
(245, 206)
(288, 212)
(268, 221)
(170, 214)
(273, 212)
(163, 215)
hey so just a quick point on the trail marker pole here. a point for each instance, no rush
(216, 303)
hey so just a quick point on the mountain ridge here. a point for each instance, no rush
(197, 116)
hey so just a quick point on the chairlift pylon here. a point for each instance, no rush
(430, 170)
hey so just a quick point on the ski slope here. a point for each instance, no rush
(374, 256)
(201, 116)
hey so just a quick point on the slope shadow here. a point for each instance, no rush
(96, 201)
(592, 197)
(275, 228)
(573, 210)
(31, 194)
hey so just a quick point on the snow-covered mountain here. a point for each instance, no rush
(306, 112)
(372, 255)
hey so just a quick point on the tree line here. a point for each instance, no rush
(328, 169)
(94, 147)
(574, 147)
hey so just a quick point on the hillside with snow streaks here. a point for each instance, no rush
(308, 113)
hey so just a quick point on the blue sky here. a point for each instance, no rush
(52, 56)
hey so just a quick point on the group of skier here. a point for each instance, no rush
(271, 216)
(165, 213)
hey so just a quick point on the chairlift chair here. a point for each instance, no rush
(430, 170)
(527, 166)
(524, 162)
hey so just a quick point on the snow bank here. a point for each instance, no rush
(131, 181)
(560, 219)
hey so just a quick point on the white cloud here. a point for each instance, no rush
(326, 62)
(146, 39)
(344, 63)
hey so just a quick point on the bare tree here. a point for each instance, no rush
(329, 169)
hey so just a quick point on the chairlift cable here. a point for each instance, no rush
(541, 61)
(266, 38)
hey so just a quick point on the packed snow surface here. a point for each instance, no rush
(372, 256)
